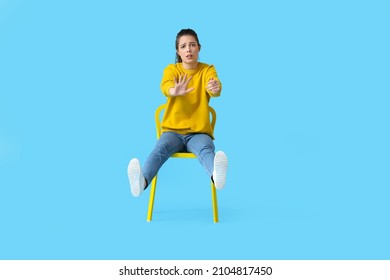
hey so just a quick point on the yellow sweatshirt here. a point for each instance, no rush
(188, 113)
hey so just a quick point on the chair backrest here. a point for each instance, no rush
(163, 106)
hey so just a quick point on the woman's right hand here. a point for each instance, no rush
(181, 86)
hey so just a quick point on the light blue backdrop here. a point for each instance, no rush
(304, 118)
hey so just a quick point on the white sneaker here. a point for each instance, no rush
(136, 178)
(220, 168)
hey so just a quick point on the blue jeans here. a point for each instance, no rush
(201, 145)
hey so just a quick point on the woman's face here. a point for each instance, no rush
(188, 50)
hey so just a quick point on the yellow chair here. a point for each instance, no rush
(181, 155)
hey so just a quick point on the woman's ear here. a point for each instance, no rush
(200, 46)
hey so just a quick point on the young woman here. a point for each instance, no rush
(188, 86)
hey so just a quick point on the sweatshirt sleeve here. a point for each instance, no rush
(212, 74)
(167, 80)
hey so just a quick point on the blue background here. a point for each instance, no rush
(303, 116)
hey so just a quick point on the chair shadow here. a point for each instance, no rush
(196, 214)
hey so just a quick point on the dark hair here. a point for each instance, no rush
(184, 32)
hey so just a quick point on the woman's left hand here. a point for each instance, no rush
(213, 86)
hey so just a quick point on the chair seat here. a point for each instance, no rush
(183, 155)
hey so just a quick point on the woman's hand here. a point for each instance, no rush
(181, 86)
(213, 86)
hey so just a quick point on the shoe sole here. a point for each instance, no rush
(220, 168)
(134, 173)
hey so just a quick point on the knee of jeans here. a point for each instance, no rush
(206, 149)
(166, 149)
(163, 148)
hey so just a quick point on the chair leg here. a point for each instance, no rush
(215, 203)
(151, 199)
